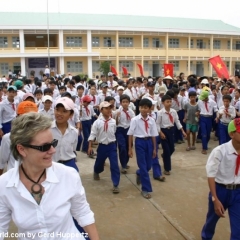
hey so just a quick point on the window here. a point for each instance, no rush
(173, 43)
(216, 44)
(4, 68)
(192, 68)
(146, 66)
(228, 44)
(125, 42)
(108, 42)
(145, 42)
(191, 43)
(175, 65)
(156, 43)
(76, 67)
(127, 64)
(200, 44)
(95, 42)
(237, 45)
(3, 42)
(74, 41)
(95, 66)
(15, 42)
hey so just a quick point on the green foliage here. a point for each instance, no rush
(105, 67)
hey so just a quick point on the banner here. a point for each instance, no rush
(168, 69)
(219, 66)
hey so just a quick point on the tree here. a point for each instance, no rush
(105, 67)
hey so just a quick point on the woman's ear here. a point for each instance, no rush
(21, 150)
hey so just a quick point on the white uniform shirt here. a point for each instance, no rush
(154, 97)
(73, 91)
(49, 216)
(20, 95)
(56, 94)
(96, 102)
(221, 164)
(7, 111)
(67, 143)
(49, 113)
(177, 104)
(130, 93)
(102, 96)
(100, 134)
(122, 119)
(6, 156)
(163, 120)
(110, 84)
(212, 107)
(75, 118)
(231, 111)
(137, 127)
(83, 114)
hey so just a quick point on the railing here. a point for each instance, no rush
(9, 49)
(41, 48)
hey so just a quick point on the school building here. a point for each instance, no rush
(80, 42)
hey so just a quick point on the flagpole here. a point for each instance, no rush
(48, 38)
(135, 75)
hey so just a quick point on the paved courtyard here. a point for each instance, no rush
(176, 211)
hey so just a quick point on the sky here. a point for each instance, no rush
(227, 11)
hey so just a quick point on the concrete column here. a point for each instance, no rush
(230, 62)
(231, 44)
(62, 66)
(166, 43)
(89, 41)
(117, 54)
(89, 67)
(189, 49)
(21, 40)
(211, 54)
(23, 66)
(142, 57)
(60, 41)
(189, 65)
(230, 67)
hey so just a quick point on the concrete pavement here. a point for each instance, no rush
(176, 211)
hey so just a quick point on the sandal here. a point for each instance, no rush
(127, 167)
(193, 148)
(161, 179)
(146, 195)
(138, 180)
(188, 149)
(204, 152)
(124, 171)
(96, 176)
(166, 173)
(115, 190)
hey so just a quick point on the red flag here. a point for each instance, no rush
(125, 71)
(140, 69)
(168, 69)
(113, 70)
(219, 67)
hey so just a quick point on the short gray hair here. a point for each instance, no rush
(24, 129)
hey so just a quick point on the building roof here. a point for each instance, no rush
(72, 21)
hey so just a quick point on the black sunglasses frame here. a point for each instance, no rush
(44, 148)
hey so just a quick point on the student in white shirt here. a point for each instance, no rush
(224, 183)
(24, 192)
(95, 101)
(52, 85)
(38, 96)
(8, 111)
(86, 114)
(123, 119)
(120, 90)
(47, 109)
(129, 91)
(20, 90)
(103, 130)
(47, 71)
(71, 88)
(225, 114)
(102, 95)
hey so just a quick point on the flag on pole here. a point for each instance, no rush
(125, 71)
(219, 66)
(113, 70)
(168, 69)
(140, 69)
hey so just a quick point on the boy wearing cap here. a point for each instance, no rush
(166, 119)
(225, 114)
(206, 108)
(86, 114)
(6, 156)
(224, 183)
(103, 130)
(8, 111)
(129, 91)
(104, 92)
(123, 119)
(144, 129)
(19, 85)
(120, 90)
(47, 109)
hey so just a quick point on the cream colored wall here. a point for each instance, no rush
(76, 59)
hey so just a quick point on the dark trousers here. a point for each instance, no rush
(104, 152)
(122, 141)
(156, 168)
(177, 133)
(144, 150)
(137, 106)
(6, 128)
(206, 127)
(86, 128)
(168, 147)
(181, 114)
(72, 163)
(230, 200)
(223, 133)
(79, 143)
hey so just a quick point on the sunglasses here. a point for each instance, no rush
(45, 147)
